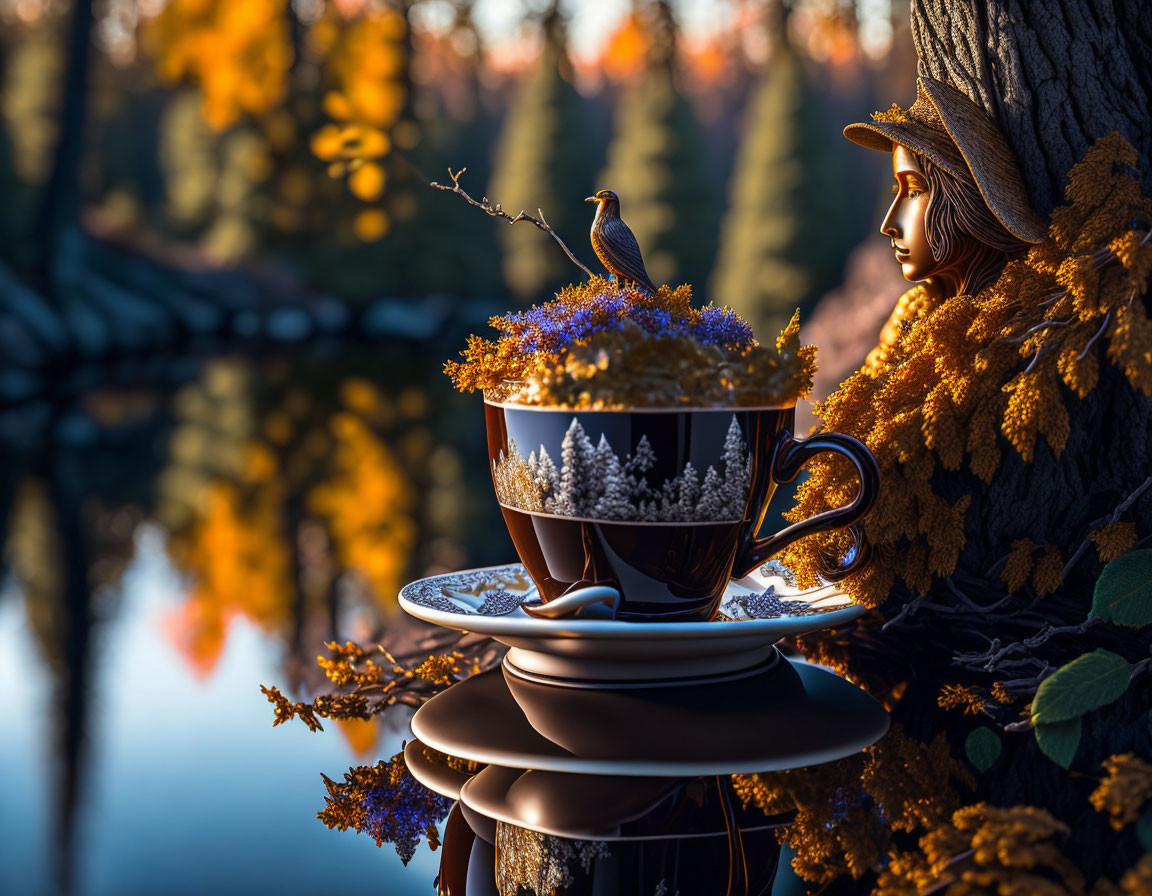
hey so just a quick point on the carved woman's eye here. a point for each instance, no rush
(913, 192)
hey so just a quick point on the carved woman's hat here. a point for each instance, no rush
(960, 137)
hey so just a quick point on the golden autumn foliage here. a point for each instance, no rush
(1049, 572)
(957, 377)
(238, 54)
(1137, 880)
(1113, 539)
(984, 849)
(835, 831)
(1019, 565)
(846, 810)
(366, 67)
(1125, 790)
(371, 680)
(963, 697)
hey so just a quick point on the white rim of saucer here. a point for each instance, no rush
(528, 626)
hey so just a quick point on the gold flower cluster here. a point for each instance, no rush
(894, 114)
(847, 810)
(1125, 791)
(986, 849)
(627, 367)
(373, 686)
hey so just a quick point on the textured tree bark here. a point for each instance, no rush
(1055, 74)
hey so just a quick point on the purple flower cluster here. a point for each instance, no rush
(722, 326)
(554, 326)
(400, 814)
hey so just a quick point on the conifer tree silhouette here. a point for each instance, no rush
(657, 160)
(543, 159)
(779, 246)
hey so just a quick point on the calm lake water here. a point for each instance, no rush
(177, 534)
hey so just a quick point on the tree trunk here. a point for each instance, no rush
(1055, 74)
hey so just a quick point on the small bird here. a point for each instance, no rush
(615, 244)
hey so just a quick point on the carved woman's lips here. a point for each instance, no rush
(900, 250)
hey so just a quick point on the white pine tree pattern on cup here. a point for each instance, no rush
(594, 483)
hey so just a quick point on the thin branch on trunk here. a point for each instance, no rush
(496, 211)
(1104, 520)
(1099, 333)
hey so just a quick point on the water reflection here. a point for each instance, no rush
(283, 500)
(595, 790)
(687, 838)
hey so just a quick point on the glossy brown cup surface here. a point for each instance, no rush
(661, 504)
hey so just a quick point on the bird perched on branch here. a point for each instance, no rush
(615, 244)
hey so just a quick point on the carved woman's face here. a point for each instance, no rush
(904, 223)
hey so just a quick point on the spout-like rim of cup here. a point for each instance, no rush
(668, 409)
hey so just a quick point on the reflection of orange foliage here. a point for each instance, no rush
(626, 50)
(237, 53)
(330, 476)
(359, 734)
(366, 504)
(198, 629)
(240, 564)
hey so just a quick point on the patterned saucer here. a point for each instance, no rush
(755, 612)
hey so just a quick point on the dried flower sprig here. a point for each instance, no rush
(373, 686)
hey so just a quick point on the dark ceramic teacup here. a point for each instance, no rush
(655, 509)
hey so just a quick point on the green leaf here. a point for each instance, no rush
(1144, 830)
(982, 748)
(1088, 682)
(1059, 740)
(1124, 590)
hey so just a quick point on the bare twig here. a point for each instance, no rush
(980, 608)
(1103, 327)
(907, 610)
(1042, 350)
(496, 211)
(996, 657)
(1040, 326)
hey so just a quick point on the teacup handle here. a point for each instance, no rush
(572, 601)
(789, 457)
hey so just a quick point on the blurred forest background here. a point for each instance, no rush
(226, 293)
(292, 140)
(225, 278)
